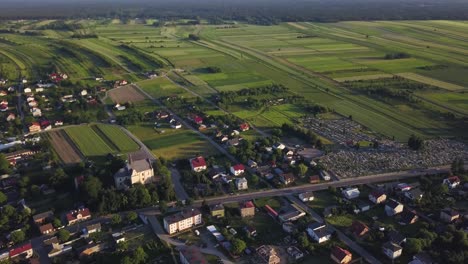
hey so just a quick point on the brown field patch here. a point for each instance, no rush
(64, 148)
(126, 94)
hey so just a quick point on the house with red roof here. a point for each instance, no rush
(340, 255)
(237, 169)
(198, 164)
(452, 182)
(78, 216)
(247, 209)
(34, 127)
(24, 251)
(198, 120)
(46, 229)
(192, 255)
(359, 229)
(46, 125)
(244, 127)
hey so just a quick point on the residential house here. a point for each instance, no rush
(78, 216)
(191, 255)
(351, 193)
(118, 237)
(392, 250)
(359, 229)
(279, 146)
(408, 217)
(449, 215)
(45, 125)
(319, 232)
(182, 220)
(139, 169)
(46, 229)
(403, 187)
(421, 258)
(216, 172)
(307, 196)
(452, 182)
(176, 125)
(244, 127)
(91, 249)
(198, 164)
(396, 237)
(414, 194)
(34, 127)
(27, 90)
(25, 251)
(43, 217)
(84, 93)
(314, 179)
(362, 206)
(36, 112)
(11, 117)
(120, 107)
(217, 210)
(247, 209)
(242, 184)
(393, 207)
(58, 123)
(252, 164)
(237, 169)
(291, 215)
(94, 228)
(289, 227)
(340, 255)
(287, 178)
(295, 253)
(268, 255)
(377, 197)
(250, 230)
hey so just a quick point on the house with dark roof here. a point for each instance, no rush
(340, 255)
(421, 258)
(359, 229)
(377, 197)
(319, 232)
(191, 255)
(408, 217)
(287, 178)
(393, 207)
(396, 237)
(198, 164)
(449, 215)
(392, 250)
(414, 195)
(42, 217)
(307, 196)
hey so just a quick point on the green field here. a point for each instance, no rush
(88, 142)
(117, 138)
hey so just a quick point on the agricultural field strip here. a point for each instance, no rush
(383, 110)
(117, 137)
(64, 149)
(430, 81)
(88, 142)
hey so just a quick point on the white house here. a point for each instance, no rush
(84, 93)
(351, 193)
(237, 169)
(27, 90)
(319, 232)
(182, 220)
(279, 146)
(242, 184)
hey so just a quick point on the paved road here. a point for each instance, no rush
(345, 239)
(322, 186)
(179, 189)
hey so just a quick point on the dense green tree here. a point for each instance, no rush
(238, 246)
(414, 245)
(17, 236)
(4, 165)
(139, 255)
(132, 216)
(302, 169)
(57, 223)
(3, 198)
(92, 187)
(63, 235)
(116, 219)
